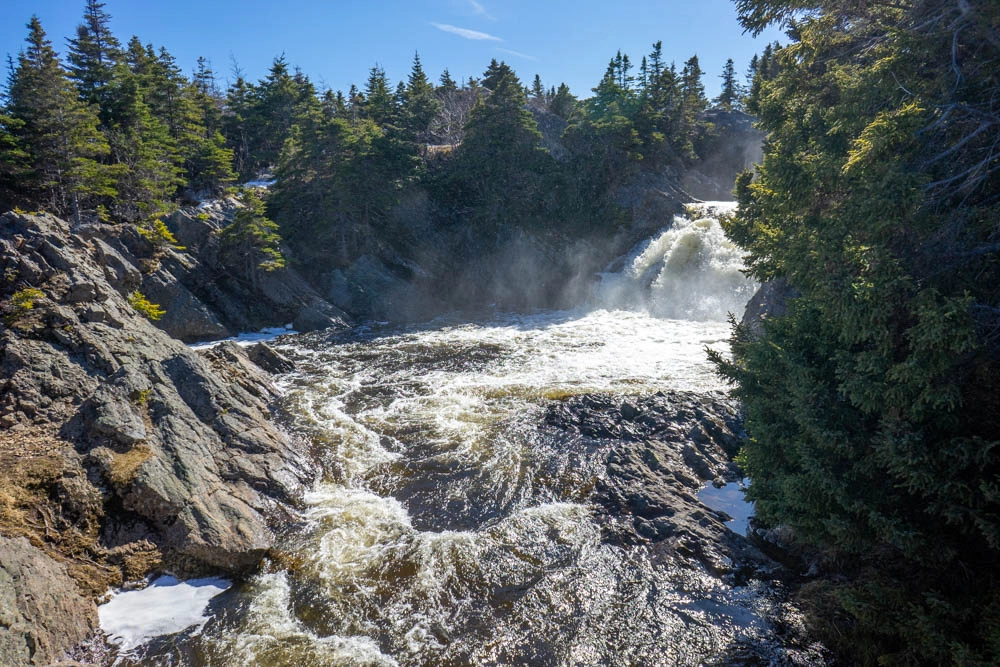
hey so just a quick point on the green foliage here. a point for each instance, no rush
(420, 104)
(872, 405)
(252, 242)
(729, 96)
(14, 162)
(145, 155)
(563, 103)
(157, 233)
(92, 57)
(21, 303)
(57, 132)
(145, 307)
(500, 167)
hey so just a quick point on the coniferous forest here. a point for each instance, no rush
(116, 130)
(872, 403)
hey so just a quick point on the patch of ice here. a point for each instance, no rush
(260, 183)
(729, 499)
(164, 607)
(249, 338)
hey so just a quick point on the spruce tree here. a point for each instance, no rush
(729, 96)
(501, 151)
(14, 163)
(537, 89)
(145, 161)
(655, 63)
(685, 119)
(236, 125)
(563, 103)
(92, 57)
(447, 84)
(420, 104)
(873, 403)
(492, 75)
(58, 132)
(692, 87)
(610, 97)
(380, 104)
(280, 101)
(252, 243)
(209, 162)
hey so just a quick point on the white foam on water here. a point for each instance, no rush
(260, 183)
(689, 271)
(274, 636)
(439, 414)
(164, 607)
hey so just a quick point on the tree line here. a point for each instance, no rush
(873, 405)
(120, 132)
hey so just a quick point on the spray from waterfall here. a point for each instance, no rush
(689, 271)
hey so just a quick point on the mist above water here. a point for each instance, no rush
(689, 271)
(452, 529)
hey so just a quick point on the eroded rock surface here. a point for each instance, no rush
(121, 448)
(661, 450)
(41, 611)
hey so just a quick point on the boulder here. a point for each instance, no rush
(265, 356)
(42, 616)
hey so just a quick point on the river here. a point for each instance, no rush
(452, 530)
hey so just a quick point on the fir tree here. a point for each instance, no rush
(57, 131)
(420, 105)
(92, 57)
(729, 97)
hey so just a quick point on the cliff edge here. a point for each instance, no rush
(122, 451)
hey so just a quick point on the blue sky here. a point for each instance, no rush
(336, 42)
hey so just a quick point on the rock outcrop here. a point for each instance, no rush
(770, 300)
(41, 611)
(661, 450)
(122, 449)
(207, 299)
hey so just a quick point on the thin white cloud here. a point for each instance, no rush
(466, 33)
(519, 54)
(478, 8)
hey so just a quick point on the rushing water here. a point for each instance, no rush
(451, 530)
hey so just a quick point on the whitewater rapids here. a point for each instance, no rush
(451, 530)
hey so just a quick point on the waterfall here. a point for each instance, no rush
(688, 271)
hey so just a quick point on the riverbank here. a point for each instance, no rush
(122, 450)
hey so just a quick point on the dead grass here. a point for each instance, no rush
(33, 463)
(125, 466)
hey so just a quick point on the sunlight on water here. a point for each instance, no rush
(452, 530)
